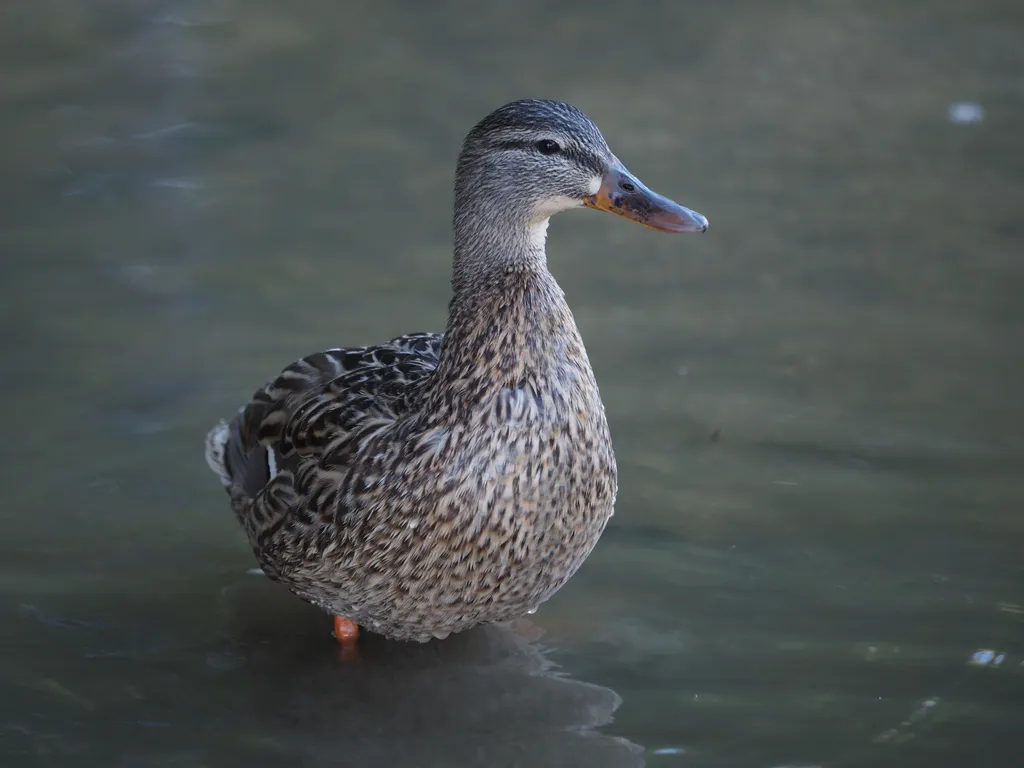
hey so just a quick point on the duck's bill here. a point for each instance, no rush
(622, 193)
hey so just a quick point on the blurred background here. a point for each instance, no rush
(817, 407)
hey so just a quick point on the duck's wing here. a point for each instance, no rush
(315, 413)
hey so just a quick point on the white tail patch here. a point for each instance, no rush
(216, 442)
(271, 463)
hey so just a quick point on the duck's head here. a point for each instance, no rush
(531, 159)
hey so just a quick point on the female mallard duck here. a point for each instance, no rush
(435, 482)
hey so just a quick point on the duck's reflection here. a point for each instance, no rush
(487, 697)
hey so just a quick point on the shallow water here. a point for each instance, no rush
(815, 559)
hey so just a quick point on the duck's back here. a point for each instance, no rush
(314, 415)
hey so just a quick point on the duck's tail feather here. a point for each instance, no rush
(217, 440)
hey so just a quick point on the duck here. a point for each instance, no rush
(439, 481)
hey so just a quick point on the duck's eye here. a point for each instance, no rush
(548, 147)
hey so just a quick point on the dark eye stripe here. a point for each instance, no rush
(514, 144)
(584, 159)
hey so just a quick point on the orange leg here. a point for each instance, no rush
(346, 632)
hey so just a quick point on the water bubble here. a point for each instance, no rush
(982, 657)
(965, 112)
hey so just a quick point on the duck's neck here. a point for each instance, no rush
(508, 319)
(490, 243)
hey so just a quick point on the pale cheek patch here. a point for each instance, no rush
(595, 185)
(554, 205)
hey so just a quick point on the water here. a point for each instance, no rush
(815, 559)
